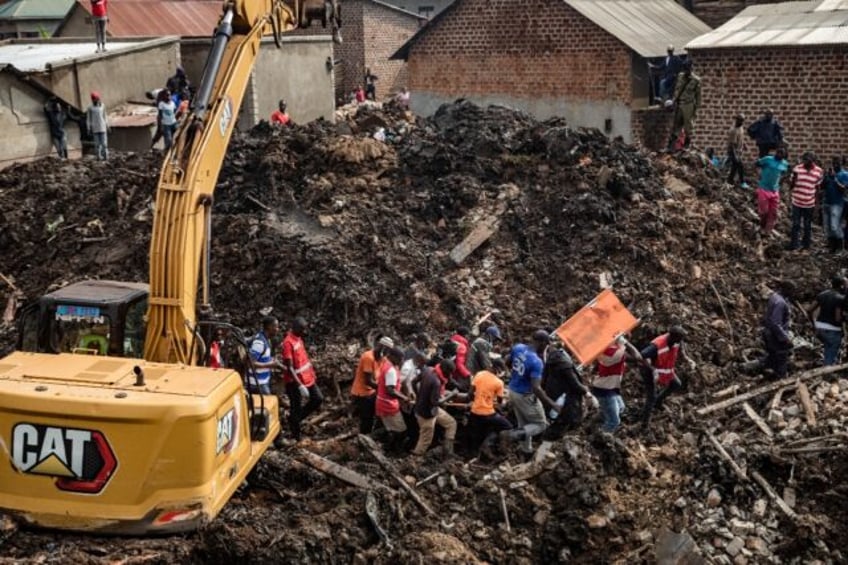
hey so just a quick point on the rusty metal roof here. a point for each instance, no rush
(148, 18)
(133, 116)
(646, 26)
(789, 24)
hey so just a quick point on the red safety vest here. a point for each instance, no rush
(666, 359)
(294, 350)
(442, 379)
(215, 355)
(610, 371)
(386, 405)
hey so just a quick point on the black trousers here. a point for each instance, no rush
(299, 410)
(736, 168)
(652, 399)
(363, 408)
(777, 356)
(485, 429)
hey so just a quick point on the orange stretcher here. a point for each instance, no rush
(588, 332)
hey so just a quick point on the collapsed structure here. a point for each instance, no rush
(325, 221)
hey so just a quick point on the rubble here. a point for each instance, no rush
(357, 234)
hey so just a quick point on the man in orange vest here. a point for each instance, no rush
(364, 389)
(659, 359)
(389, 397)
(299, 377)
(606, 386)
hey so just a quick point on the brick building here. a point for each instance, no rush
(789, 57)
(373, 31)
(586, 60)
(426, 8)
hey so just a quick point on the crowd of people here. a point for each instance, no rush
(492, 393)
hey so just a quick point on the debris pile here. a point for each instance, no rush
(449, 217)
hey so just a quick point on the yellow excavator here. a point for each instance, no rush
(109, 422)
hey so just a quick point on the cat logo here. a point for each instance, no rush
(81, 460)
(226, 116)
(227, 430)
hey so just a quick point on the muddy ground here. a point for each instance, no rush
(324, 221)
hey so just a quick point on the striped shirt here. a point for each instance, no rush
(806, 183)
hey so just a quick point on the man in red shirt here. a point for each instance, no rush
(280, 117)
(98, 15)
(806, 179)
(299, 377)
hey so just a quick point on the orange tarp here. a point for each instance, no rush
(588, 332)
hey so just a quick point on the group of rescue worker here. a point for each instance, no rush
(472, 383)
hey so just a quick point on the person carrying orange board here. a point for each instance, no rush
(659, 359)
(606, 386)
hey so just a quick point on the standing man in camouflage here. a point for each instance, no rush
(687, 101)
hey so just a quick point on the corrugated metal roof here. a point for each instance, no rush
(35, 9)
(149, 18)
(34, 57)
(646, 26)
(821, 22)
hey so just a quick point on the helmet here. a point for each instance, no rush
(95, 95)
(494, 333)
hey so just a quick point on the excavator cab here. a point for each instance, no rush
(88, 317)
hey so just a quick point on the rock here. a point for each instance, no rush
(676, 549)
(596, 522)
(740, 560)
(760, 506)
(791, 411)
(741, 527)
(642, 536)
(680, 502)
(757, 545)
(713, 498)
(734, 547)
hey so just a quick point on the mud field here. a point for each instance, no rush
(324, 221)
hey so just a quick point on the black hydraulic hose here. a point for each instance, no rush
(213, 64)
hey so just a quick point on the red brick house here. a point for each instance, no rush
(373, 31)
(586, 60)
(789, 57)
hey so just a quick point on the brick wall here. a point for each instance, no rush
(651, 127)
(806, 87)
(386, 30)
(350, 55)
(525, 50)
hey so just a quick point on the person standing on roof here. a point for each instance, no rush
(687, 101)
(529, 401)
(56, 116)
(97, 125)
(767, 133)
(299, 377)
(479, 355)
(280, 117)
(772, 169)
(606, 386)
(658, 369)
(735, 146)
(805, 181)
(262, 355)
(99, 17)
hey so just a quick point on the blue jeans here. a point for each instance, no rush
(611, 408)
(101, 146)
(832, 220)
(168, 132)
(832, 341)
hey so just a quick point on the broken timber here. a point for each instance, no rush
(804, 395)
(726, 456)
(773, 495)
(757, 419)
(472, 241)
(806, 375)
(338, 471)
(372, 448)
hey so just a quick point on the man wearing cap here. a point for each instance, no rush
(299, 377)
(479, 355)
(735, 146)
(97, 125)
(687, 101)
(528, 399)
(659, 359)
(363, 391)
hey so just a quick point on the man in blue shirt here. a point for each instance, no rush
(835, 183)
(262, 354)
(772, 169)
(528, 399)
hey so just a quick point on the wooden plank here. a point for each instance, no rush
(726, 456)
(340, 472)
(772, 494)
(806, 375)
(806, 401)
(372, 448)
(478, 236)
(757, 420)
